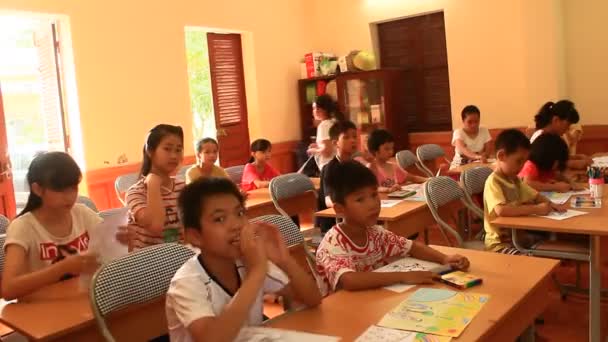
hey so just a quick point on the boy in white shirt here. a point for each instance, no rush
(219, 291)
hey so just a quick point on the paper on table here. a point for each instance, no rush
(555, 215)
(380, 334)
(389, 203)
(407, 265)
(562, 197)
(600, 161)
(103, 236)
(259, 334)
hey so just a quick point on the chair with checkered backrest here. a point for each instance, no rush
(123, 183)
(4, 222)
(440, 192)
(289, 186)
(235, 173)
(2, 240)
(473, 181)
(406, 159)
(136, 278)
(429, 153)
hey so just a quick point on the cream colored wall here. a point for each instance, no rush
(587, 57)
(503, 56)
(130, 66)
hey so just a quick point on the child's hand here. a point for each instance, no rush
(456, 261)
(419, 277)
(80, 263)
(562, 187)
(559, 207)
(543, 208)
(253, 249)
(276, 250)
(395, 187)
(153, 180)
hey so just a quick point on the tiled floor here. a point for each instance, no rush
(564, 320)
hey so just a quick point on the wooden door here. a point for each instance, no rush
(7, 193)
(229, 100)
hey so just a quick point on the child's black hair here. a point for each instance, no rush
(340, 127)
(155, 136)
(56, 171)
(330, 106)
(261, 145)
(470, 109)
(563, 109)
(200, 143)
(511, 140)
(347, 177)
(191, 199)
(546, 150)
(377, 138)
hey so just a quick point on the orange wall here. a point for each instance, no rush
(130, 66)
(587, 57)
(504, 56)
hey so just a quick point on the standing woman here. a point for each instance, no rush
(324, 110)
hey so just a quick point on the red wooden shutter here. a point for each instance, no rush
(418, 44)
(229, 100)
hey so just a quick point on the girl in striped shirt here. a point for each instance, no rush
(152, 201)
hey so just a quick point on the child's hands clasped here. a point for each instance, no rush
(276, 250)
(456, 261)
(253, 249)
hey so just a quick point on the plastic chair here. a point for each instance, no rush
(473, 182)
(136, 278)
(2, 241)
(289, 186)
(429, 153)
(123, 183)
(235, 173)
(441, 194)
(88, 202)
(406, 159)
(4, 222)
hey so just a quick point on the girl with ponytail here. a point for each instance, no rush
(49, 239)
(556, 118)
(152, 201)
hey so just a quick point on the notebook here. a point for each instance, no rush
(401, 194)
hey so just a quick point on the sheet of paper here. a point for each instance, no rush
(419, 196)
(380, 334)
(554, 215)
(437, 311)
(406, 265)
(259, 334)
(103, 236)
(389, 203)
(562, 197)
(600, 161)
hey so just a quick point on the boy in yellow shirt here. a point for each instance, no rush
(506, 195)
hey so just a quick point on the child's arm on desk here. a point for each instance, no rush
(355, 281)
(424, 252)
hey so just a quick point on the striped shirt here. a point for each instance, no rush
(137, 197)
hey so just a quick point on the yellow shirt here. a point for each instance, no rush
(499, 190)
(195, 173)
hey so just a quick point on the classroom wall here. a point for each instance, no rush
(130, 66)
(586, 57)
(504, 56)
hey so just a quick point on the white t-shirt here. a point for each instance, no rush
(536, 134)
(322, 135)
(475, 144)
(194, 294)
(44, 249)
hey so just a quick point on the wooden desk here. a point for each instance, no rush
(61, 312)
(405, 219)
(592, 224)
(259, 203)
(518, 287)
